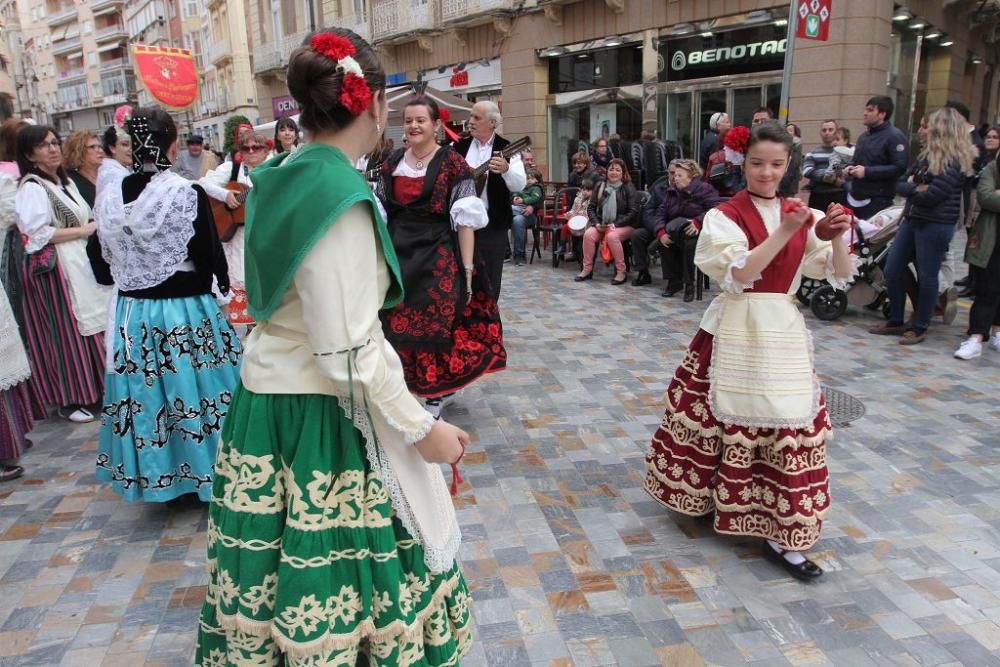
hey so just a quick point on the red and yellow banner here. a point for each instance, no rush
(168, 74)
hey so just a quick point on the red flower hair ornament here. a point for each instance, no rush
(355, 96)
(737, 138)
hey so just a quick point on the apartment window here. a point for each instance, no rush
(88, 27)
(92, 58)
(191, 9)
(107, 119)
(276, 23)
(360, 10)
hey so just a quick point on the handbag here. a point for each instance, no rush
(606, 250)
(42, 261)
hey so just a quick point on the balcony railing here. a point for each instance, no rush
(392, 19)
(111, 33)
(72, 74)
(359, 25)
(274, 55)
(220, 52)
(112, 63)
(66, 45)
(456, 11)
(61, 15)
(101, 5)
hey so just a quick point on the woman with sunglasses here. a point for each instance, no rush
(253, 150)
(65, 309)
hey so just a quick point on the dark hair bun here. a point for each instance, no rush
(315, 82)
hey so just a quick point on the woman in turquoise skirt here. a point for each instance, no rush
(172, 358)
(331, 536)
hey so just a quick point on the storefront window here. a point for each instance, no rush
(605, 68)
(585, 121)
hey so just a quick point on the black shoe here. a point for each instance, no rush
(805, 571)
(962, 282)
(642, 279)
(966, 293)
(620, 282)
(580, 279)
(672, 289)
(688, 293)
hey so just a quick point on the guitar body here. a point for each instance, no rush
(482, 172)
(228, 220)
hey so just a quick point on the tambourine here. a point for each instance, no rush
(577, 225)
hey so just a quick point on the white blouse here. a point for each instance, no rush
(34, 218)
(214, 183)
(465, 212)
(723, 247)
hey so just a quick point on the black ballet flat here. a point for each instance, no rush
(580, 279)
(805, 571)
(620, 282)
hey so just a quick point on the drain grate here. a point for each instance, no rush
(843, 407)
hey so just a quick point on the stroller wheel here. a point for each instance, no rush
(828, 303)
(806, 289)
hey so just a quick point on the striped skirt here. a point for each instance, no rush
(20, 406)
(68, 369)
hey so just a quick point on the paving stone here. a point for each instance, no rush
(569, 562)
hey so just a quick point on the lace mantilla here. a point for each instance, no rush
(14, 367)
(144, 242)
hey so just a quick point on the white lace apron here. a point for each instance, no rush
(762, 364)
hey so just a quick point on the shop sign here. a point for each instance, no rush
(468, 75)
(758, 49)
(168, 74)
(814, 19)
(284, 105)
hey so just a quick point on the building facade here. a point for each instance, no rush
(571, 70)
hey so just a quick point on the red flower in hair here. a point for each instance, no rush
(445, 115)
(332, 46)
(736, 139)
(354, 94)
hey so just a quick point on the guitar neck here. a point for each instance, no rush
(510, 151)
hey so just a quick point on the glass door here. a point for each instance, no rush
(675, 109)
(710, 102)
(745, 101)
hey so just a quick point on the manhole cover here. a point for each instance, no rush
(843, 408)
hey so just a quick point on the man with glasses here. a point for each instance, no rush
(253, 150)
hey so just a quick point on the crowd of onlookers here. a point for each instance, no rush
(631, 201)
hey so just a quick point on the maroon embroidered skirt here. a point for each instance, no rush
(761, 482)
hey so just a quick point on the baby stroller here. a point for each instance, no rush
(871, 243)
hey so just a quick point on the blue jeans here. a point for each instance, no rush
(924, 243)
(517, 230)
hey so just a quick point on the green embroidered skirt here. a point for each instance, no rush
(308, 564)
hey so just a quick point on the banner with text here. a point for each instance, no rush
(168, 74)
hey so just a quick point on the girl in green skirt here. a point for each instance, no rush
(331, 537)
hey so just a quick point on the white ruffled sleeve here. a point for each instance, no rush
(340, 304)
(817, 261)
(33, 216)
(469, 212)
(722, 247)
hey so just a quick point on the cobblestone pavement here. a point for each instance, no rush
(569, 561)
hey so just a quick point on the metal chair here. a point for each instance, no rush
(552, 217)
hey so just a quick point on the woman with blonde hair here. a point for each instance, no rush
(83, 156)
(933, 187)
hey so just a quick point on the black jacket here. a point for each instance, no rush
(657, 193)
(692, 203)
(500, 214)
(707, 147)
(882, 152)
(941, 202)
(628, 206)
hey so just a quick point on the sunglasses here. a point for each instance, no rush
(252, 149)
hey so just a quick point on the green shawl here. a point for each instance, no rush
(295, 199)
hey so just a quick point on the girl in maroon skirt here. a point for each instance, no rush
(745, 430)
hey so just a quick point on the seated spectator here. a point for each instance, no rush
(524, 205)
(678, 221)
(528, 159)
(579, 207)
(645, 233)
(602, 156)
(725, 166)
(582, 169)
(612, 213)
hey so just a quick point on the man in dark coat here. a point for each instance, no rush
(484, 145)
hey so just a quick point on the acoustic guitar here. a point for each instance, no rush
(481, 173)
(228, 220)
